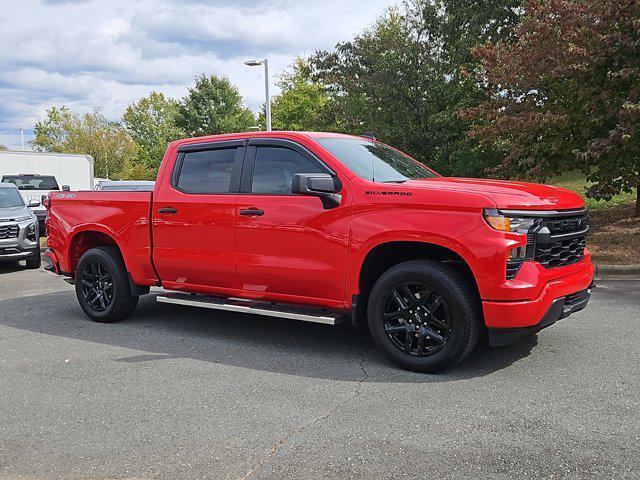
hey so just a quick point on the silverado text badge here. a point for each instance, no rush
(384, 192)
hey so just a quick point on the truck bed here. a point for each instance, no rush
(122, 218)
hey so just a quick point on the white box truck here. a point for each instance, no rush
(37, 173)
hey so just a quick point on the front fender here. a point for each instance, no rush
(432, 227)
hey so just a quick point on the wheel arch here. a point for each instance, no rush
(385, 254)
(87, 238)
(84, 240)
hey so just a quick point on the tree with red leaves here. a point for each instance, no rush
(565, 94)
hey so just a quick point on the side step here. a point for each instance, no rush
(294, 312)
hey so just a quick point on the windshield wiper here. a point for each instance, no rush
(394, 181)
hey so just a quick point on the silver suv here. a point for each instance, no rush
(19, 235)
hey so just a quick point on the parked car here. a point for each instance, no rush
(33, 187)
(37, 173)
(125, 185)
(326, 227)
(19, 239)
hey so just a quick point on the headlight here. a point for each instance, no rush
(504, 222)
(31, 232)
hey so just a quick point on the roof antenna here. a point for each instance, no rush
(368, 135)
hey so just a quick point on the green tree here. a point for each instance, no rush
(107, 142)
(403, 79)
(3, 147)
(301, 103)
(151, 122)
(213, 106)
(566, 94)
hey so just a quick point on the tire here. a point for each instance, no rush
(429, 326)
(35, 261)
(102, 285)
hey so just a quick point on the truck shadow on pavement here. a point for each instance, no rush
(161, 331)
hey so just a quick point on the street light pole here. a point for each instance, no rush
(266, 91)
(265, 62)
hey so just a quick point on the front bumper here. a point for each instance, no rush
(20, 247)
(12, 254)
(560, 308)
(529, 312)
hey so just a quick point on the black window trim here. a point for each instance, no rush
(234, 182)
(246, 182)
(196, 147)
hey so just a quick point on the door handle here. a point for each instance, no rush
(168, 210)
(252, 212)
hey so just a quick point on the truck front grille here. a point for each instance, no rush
(556, 239)
(558, 226)
(9, 231)
(559, 254)
(561, 240)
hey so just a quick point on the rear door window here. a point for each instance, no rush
(207, 171)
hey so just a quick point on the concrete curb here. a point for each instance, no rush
(619, 270)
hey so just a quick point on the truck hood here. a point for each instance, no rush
(11, 213)
(506, 194)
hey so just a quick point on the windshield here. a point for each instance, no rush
(374, 160)
(32, 182)
(10, 197)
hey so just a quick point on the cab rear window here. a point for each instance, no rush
(32, 182)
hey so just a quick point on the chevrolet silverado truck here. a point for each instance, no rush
(327, 228)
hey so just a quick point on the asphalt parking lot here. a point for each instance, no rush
(175, 392)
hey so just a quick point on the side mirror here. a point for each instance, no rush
(66, 188)
(34, 203)
(321, 185)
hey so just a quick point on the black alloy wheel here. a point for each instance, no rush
(417, 319)
(424, 315)
(102, 285)
(97, 286)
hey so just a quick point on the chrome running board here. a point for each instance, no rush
(279, 310)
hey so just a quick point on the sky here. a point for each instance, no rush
(107, 53)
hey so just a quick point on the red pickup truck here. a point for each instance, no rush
(326, 227)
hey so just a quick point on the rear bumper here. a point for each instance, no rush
(55, 263)
(560, 308)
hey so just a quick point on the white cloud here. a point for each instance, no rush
(89, 53)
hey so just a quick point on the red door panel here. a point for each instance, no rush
(193, 219)
(295, 249)
(195, 246)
